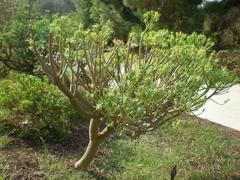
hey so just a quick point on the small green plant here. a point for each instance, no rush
(4, 141)
(32, 107)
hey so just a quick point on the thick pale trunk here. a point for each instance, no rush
(88, 155)
(95, 139)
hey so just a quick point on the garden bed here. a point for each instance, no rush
(198, 148)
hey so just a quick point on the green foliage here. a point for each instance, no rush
(199, 150)
(144, 88)
(32, 107)
(165, 83)
(7, 9)
(230, 59)
(129, 90)
(83, 11)
(202, 16)
(3, 70)
(96, 11)
(15, 51)
(56, 169)
(56, 6)
(4, 141)
(178, 15)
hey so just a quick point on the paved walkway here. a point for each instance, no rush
(227, 114)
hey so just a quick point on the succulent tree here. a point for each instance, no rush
(125, 88)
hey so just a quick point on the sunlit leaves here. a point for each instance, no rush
(156, 75)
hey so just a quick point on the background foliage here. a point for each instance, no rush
(21, 20)
(33, 108)
(15, 52)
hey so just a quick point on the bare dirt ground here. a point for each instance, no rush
(21, 156)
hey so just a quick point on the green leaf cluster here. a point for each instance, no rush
(16, 52)
(181, 73)
(34, 108)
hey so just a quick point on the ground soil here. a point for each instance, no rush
(21, 155)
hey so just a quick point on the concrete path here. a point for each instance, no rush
(227, 114)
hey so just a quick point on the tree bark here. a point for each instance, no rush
(95, 139)
(88, 155)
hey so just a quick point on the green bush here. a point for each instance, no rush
(16, 52)
(32, 107)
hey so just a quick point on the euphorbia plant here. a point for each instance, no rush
(128, 89)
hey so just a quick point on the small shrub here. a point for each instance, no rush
(14, 38)
(32, 107)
